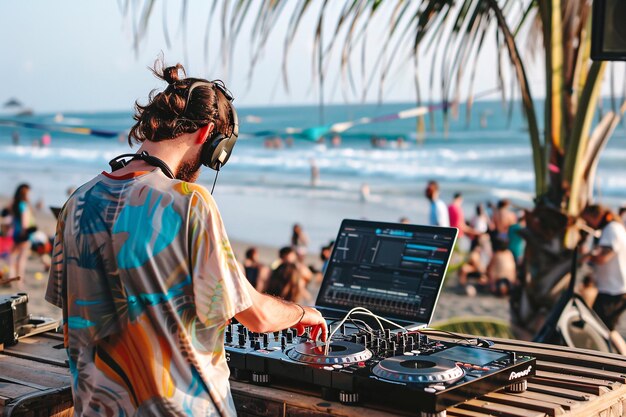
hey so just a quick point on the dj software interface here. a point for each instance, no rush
(391, 271)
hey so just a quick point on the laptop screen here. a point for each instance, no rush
(394, 270)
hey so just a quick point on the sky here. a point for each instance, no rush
(76, 55)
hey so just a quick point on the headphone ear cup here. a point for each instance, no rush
(216, 153)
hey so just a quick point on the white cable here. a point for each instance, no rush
(327, 344)
(359, 311)
(383, 319)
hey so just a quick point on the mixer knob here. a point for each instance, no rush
(387, 334)
(257, 345)
(283, 342)
(284, 332)
(348, 398)
(513, 357)
(392, 346)
(354, 338)
(252, 343)
(376, 343)
(411, 341)
(289, 337)
(363, 340)
(266, 339)
(241, 329)
(260, 378)
(229, 336)
(242, 339)
(294, 332)
(383, 344)
(342, 329)
(424, 339)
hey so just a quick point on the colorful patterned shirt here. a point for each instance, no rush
(147, 281)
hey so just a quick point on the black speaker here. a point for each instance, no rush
(608, 30)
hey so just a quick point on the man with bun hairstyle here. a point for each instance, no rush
(608, 259)
(145, 273)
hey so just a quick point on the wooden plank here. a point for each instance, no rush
(587, 388)
(573, 357)
(578, 379)
(519, 345)
(529, 403)
(582, 371)
(9, 392)
(39, 349)
(257, 406)
(288, 395)
(21, 382)
(561, 392)
(499, 409)
(565, 403)
(457, 412)
(38, 373)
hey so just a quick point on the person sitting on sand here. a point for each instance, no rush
(144, 271)
(501, 271)
(255, 271)
(475, 268)
(288, 255)
(287, 283)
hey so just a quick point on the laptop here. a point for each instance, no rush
(394, 270)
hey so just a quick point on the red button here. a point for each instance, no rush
(361, 364)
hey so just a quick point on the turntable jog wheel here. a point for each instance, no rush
(429, 370)
(340, 352)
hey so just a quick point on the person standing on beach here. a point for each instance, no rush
(503, 218)
(145, 273)
(608, 259)
(23, 223)
(457, 217)
(438, 209)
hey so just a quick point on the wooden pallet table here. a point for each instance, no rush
(35, 381)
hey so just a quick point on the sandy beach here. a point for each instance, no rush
(451, 304)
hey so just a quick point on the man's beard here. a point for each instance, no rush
(189, 171)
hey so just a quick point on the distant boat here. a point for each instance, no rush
(17, 106)
(13, 102)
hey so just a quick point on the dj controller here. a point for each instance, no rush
(405, 368)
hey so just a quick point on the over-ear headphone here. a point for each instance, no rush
(216, 151)
(120, 162)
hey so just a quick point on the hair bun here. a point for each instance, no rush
(170, 74)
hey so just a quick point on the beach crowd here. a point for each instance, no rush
(490, 247)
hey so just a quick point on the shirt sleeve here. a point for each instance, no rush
(610, 237)
(57, 275)
(442, 214)
(220, 289)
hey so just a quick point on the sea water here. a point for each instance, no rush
(263, 191)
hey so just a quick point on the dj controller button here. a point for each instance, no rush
(361, 364)
(416, 352)
(409, 354)
(438, 387)
(430, 390)
(478, 368)
(337, 366)
(329, 368)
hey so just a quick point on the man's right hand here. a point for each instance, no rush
(313, 318)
